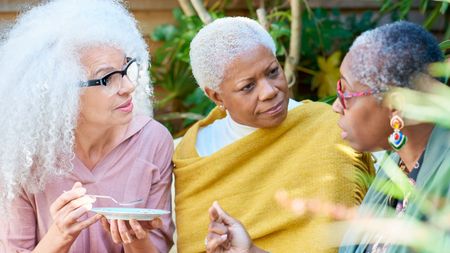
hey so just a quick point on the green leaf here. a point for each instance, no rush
(443, 7)
(164, 32)
(444, 45)
(423, 6)
(178, 14)
(329, 100)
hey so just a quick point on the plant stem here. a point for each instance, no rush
(262, 15)
(201, 10)
(186, 7)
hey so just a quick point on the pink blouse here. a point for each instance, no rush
(139, 167)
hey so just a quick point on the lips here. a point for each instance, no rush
(126, 106)
(344, 133)
(275, 109)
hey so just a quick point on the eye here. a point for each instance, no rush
(108, 79)
(249, 87)
(274, 72)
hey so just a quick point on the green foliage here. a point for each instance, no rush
(431, 9)
(325, 36)
(323, 33)
(172, 75)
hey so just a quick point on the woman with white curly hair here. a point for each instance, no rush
(254, 143)
(75, 80)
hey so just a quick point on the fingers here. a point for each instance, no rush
(157, 223)
(77, 185)
(114, 229)
(87, 222)
(223, 216)
(65, 198)
(152, 224)
(139, 232)
(124, 232)
(217, 228)
(73, 210)
(214, 242)
(213, 214)
(105, 224)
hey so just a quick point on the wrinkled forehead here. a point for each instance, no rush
(248, 63)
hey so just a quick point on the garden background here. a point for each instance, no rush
(312, 37)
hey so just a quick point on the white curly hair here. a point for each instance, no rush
(217, 44)
(40, 84)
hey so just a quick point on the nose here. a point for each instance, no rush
(268, 91)
(127, 86)
(337, 107)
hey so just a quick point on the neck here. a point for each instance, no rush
(418, 136)
(93, 142)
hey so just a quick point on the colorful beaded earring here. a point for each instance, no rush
(397, 139)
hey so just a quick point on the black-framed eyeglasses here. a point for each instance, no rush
(114, 79)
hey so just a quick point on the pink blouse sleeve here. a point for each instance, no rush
(160, 192)
(18, 230)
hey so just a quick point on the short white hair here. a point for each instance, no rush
(40, 85)
(217, 44)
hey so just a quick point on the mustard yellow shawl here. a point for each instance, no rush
(302, 155)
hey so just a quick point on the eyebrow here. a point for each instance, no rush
(270, 65)
(251, 78)
(343, 77)
(109, 69)
(104, 69)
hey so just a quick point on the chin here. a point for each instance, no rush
(277, 120)
(124, 120)
(360, 147)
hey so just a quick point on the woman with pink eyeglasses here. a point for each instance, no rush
(379, 60)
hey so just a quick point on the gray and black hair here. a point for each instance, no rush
(393, 54)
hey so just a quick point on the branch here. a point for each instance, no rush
(295, 43)
(186, 7)
(201, 10)
(262, 15)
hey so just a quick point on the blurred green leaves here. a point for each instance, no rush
(172, 76)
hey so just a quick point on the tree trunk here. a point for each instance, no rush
(295, 44)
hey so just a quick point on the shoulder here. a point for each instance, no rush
(154, 134)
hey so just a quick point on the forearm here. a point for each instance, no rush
(138, 246)
(53, 243)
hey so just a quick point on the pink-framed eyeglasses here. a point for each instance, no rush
(343, 96)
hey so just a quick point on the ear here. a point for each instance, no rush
(214, 96)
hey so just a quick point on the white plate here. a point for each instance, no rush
(122, 213)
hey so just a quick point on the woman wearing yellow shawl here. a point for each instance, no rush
(256, 142)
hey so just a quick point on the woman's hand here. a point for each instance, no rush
(66, 211)
(133, 234)
(226, 234)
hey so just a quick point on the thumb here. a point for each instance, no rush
(222, 215)
(77, 185)
(157, 223)
(151, 224)
(213, 214)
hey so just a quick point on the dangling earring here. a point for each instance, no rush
(222, 108)
(397, 139)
